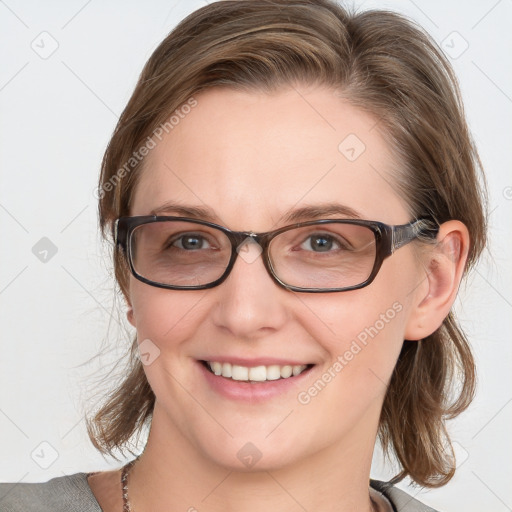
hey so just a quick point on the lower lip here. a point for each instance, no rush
(252, 391)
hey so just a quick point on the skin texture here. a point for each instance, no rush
(252, 158)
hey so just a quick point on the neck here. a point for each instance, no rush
(172, 474)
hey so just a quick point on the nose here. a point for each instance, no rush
(251, 304)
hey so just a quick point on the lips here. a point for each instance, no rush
(253, 391)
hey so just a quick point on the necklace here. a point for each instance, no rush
(124, 485)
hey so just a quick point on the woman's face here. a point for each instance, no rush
(250, 161)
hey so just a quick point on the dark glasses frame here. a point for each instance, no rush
(387, 240)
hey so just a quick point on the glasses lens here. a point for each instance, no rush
(179, 253)
(324, 256)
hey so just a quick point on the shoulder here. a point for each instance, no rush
(62, 494)
(401, 501)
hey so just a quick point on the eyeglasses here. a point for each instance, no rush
(328, 255)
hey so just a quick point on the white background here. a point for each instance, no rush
(57, 114)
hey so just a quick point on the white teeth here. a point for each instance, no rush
(256, 373)
(239, 372)
(286, 371)
(216, 368)
(273, 372)
(297, 369)
(227, 370)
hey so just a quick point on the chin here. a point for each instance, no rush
(249, 457)
(250, 451)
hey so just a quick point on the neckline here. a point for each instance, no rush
(377, 486)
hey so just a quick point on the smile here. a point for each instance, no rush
(255, 373)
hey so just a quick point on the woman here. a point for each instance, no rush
(293, 198)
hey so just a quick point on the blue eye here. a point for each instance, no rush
(320, 243)
(191, 242)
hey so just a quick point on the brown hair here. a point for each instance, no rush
(380, 62)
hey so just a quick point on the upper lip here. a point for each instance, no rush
(250, 363)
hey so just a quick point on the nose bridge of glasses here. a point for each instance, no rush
(246, 239)
(249, 246)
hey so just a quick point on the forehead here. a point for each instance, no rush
(250, 157)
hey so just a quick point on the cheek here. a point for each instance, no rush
(165, 316)
(363, 330)
(166, 321)
(359, 328)
(362, 337)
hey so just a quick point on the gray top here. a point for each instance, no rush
(73, 494)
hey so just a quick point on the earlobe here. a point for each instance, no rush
(444, 268)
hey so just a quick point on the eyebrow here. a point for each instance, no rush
(196, 212)
(319, 211)
(304, 213)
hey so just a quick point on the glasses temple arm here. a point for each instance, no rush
(402, 235)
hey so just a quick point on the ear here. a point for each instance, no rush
(130, 316)
(444, 268)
